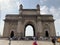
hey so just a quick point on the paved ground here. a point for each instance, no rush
(6, 42)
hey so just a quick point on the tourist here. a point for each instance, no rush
(53, 41)
(34, 43)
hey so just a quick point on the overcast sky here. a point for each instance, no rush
(46, 7)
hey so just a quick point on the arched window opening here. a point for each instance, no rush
(29, 31)
(12, 34)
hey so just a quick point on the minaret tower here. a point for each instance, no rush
(38, 8)
(20, 8)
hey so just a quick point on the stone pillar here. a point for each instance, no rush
(6, 29)
(39, 27)
(19, 27)
(52, 28)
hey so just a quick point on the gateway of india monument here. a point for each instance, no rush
(15, 24)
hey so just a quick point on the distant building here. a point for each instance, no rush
(15, 24)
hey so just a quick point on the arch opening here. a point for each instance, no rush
(12, 34)
(46, 34)
(29, 30)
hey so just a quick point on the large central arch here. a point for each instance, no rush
(32, 30)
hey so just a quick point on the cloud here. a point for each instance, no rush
(42, 2)
(4, 1)
(4, 4)
(55, 12)
(52, 10)
(8, 4)
(55, 3)
(44, 9)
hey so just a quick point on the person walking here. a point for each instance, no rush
(35, 43)
(53, 41)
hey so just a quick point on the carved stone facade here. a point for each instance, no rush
(43, 24)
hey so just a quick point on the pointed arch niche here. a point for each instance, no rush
(46, 30)
(12, 34)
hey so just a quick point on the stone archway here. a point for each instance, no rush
(32, 30)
